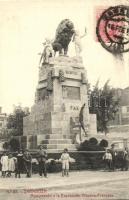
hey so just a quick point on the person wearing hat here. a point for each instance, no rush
(27, 163)
(42, 158)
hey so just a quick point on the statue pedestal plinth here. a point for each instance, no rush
(60, 94)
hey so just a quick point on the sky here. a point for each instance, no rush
(25, 24)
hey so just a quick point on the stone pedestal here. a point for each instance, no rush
(60, 94)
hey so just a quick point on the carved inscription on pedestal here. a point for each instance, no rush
(70, 92)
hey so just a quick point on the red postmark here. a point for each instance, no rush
(113, 29)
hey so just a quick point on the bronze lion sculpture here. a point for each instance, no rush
(64, 33)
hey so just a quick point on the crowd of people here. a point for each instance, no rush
(111, 156)
(14, 163)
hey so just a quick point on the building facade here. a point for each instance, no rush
(119, 127)
(3, 121)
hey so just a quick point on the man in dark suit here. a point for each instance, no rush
(42, 157)
(27, 163)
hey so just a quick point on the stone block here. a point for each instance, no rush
(32, 141)
(24, 142)
(93, 126)
(60, 146)
(56, 116)
(54, 136)
(56, 141)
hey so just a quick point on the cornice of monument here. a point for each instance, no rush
(75, 62)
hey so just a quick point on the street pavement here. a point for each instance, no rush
(84, 185)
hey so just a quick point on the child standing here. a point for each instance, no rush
(11, 164)
(108, 159)
(65, 158)
(4, 163)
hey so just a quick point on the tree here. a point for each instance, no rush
(15, 121)
(104, 104)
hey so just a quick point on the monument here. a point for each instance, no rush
(55, 118)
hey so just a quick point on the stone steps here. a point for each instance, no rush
(60, 146)
(57, 141)
(59, 150)
(57, 136)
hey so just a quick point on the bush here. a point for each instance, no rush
(103, 143)
(91, 145)
(83, 146)
(93, 141)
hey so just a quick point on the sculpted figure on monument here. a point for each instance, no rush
(64, 33)
(81, 120)
(77, 41)
(47, 52)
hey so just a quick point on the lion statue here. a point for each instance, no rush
(64, 33)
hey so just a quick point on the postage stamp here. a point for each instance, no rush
(113, 29)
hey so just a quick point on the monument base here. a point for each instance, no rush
(60, 95)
